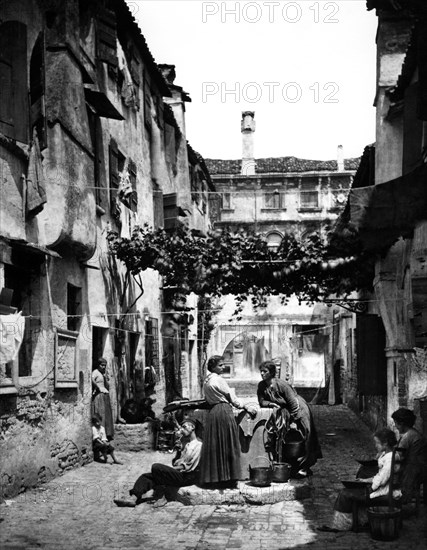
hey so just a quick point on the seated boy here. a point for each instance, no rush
(101, 446)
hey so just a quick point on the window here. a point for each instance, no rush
(116, 166)
(37, 87)
(309, 195)
(74, 302)
(172, 212)
(99, 336)
(273, 200)
(95, 132)
(133, 203)
(226, 201)
(147, 104)
(274, 240)
(152, 352)
(20, 288)
(106, 37)
(13, 81)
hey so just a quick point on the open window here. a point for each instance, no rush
(147, 104)
(74, 307)
(172, 212)
(13, 81)
(20, 293)
(37, 91)
(152, 349)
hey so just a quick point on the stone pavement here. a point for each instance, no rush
(76, 511)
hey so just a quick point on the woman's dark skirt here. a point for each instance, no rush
(101, 405)
(220, 456)
(277, 427)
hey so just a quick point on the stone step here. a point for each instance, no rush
(246, 493)
(135, 437)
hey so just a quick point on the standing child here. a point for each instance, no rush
(100, 444)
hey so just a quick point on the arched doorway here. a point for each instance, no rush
(243, 356)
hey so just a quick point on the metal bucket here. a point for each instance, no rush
(294, 445)
(261, 476)
(281, 472)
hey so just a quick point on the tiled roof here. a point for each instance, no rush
(280, 165)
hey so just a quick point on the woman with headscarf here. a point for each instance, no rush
(220, 458)
(290, 410)
(101, 404)
(412, 448)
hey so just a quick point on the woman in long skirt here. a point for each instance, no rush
(289, 408)
(101, 404)
(220, 458)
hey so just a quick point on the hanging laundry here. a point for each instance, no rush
(128, 89)
(11, 336)
(125, 185)
(35, 194)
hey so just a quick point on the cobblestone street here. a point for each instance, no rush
(77, 510)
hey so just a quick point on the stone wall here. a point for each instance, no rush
(42, 435)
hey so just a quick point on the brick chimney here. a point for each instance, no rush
(340, 158)
(248, 129)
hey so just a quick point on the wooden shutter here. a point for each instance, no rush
(147, 105)
(160, 113)
(13, 81)
(371, 359)
(132, 177)
(114, 171)
(170, 211)
(107, 37)
(412, 131)
(157, 206)
(37, 91)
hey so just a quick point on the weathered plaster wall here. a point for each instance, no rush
(46, 430)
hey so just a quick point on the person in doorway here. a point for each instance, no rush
(412, 449)
(100, 444)
(378, 486)
(290, 411)
(183, 472)
(220, 459)
(101, 404)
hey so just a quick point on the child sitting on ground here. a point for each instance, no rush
(101, 446)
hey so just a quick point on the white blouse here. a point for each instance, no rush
(217, 390)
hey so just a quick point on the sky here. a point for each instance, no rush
(306, 67)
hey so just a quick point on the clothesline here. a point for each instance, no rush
(183, 312)
(193, 192)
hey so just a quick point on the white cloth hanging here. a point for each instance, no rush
(11, 335)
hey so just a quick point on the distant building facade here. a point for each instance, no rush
(275, 197)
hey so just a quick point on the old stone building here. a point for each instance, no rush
(276, 196)
(92, 139)
(387, 206)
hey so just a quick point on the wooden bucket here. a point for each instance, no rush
(384, 522)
